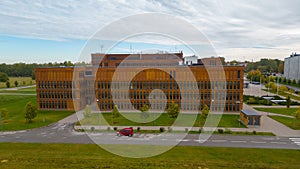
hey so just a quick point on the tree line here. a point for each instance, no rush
(27, 69)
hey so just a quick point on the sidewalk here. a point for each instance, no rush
(270, 125)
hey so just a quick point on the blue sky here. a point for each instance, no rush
(55, 31)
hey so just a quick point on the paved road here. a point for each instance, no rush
(64, 133)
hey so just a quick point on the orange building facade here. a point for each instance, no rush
(131, 81)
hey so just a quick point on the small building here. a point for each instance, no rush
(250, 117)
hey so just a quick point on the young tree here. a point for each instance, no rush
(297, 114)
(288, 102)
(16, 83)
(115, 114)
(30, 112)
(144, 110)
(284, 80)
(87, 111)
(204, 112)
(173, 110)
(281, 67)
(283, 88)
(7, 84)
(3, 114)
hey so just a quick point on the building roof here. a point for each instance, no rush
(250, 113)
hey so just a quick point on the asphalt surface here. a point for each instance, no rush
(64, 133)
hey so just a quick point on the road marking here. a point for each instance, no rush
(295, 140)
(164, 139)
(273, 142)
(258, 142)
(238, 141)
(268, 138)
(183, 140)
(200, 141)
(219, 141)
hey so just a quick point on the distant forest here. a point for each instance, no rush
(27, 70)
(266, 66)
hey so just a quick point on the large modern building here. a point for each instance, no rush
(291, 67)
(133, 80)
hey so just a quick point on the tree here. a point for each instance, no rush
(87, 111)
(297, 114)
(254, 75)
(30, 112)
(16, 83)
(3, 114)
(7, 84)
(3, 77)
(115, 114)
(288, 102)
(284, 80)
(173, 110)
(283, 88)
(281, 67)
(204, 112)
(144, 110)
(272, 86)
(294, 81)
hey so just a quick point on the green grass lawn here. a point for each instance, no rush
(15, 119)
(22, 81)
(281, 93)
(283, 111)
(160, 120)
(290, 122)
(34, 155)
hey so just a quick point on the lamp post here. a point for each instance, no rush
(277, 85)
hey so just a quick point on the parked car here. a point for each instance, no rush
(125, 132)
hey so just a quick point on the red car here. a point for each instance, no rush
(125, 132)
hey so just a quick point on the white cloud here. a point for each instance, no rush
(235, 28)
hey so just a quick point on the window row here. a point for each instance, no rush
(53, 105)
(56, 95)
(170, 85)
(55, 84)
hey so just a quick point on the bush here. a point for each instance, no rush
(254, 132)
(92, 128)
(108, 129)
(186, 130)
(201, 130)
(169, 129)
(115, 128)
(221, 131)
(161, 129)
(138, 128)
